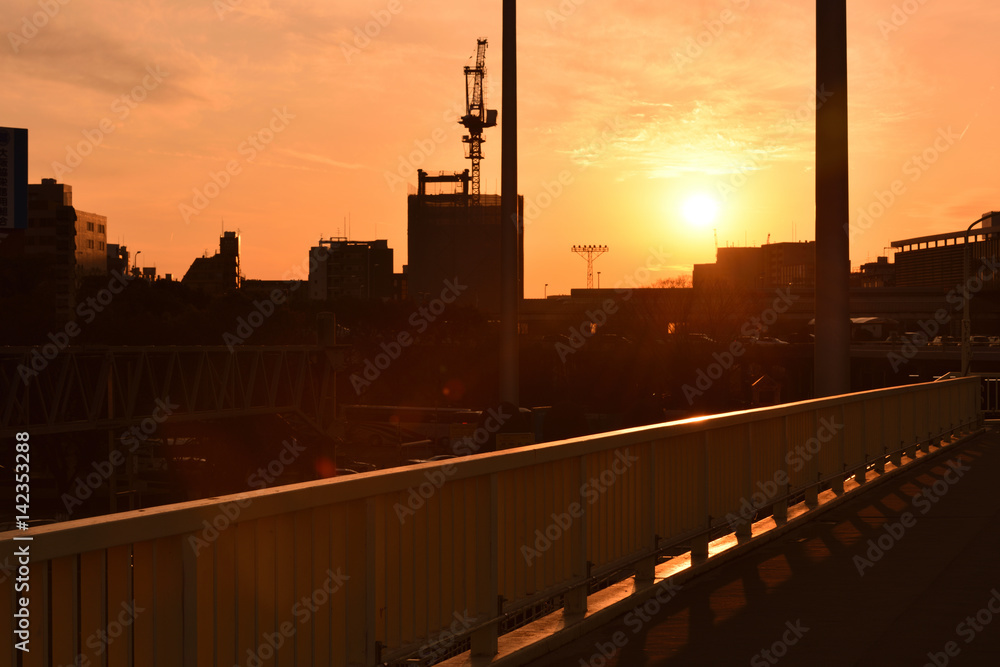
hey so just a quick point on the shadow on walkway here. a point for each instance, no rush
(901, 575)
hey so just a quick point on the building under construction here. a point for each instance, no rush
(449, 237)
(454, 233)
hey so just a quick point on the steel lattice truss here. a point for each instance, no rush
(104, 387)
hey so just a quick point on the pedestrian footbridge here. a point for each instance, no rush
(488, 559)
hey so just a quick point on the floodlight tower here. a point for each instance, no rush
(477, 117)
(590, 253)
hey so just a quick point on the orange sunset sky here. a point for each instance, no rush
(637, 106)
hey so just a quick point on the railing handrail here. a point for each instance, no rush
(167, 520)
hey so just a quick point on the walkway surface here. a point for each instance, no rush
(908, 573)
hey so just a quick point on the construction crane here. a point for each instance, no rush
(590, 253)
(477, 117)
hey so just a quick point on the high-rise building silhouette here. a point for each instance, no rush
(450, 238)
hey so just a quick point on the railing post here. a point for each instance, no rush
(780, 508)
(880, 459)
(575, 600)
(361, 649)
(699, 543)
(196, 637)
(744, 529)
(645, 570)
(862, 475)
(484, 640)
(812, 491)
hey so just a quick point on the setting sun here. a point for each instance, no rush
(700, 210)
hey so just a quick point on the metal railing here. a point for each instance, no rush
(375, 567)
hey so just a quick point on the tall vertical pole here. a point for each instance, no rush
(833, 260)
(509, 215)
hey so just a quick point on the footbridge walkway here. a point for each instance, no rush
(491, 558)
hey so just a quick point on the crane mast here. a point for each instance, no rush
(477, 117)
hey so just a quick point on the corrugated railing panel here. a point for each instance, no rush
(612, 495)
(952, 397)
(802, 465)
(95, 613)
(203, 568)
(143, 587)
(536, 524)
(267, 606)
(221, 554)
(828, 439)
(907, 420)
(855, 435)
(284, 587)
(767, 457)
(121, 592)
(168, 620)
(728, 453)
(873, 429)
(391, 609)
(891, 433)
(65, 610)
(246, 579)
(679, 479)
(342, 535)
(922, 405)
(418, 539)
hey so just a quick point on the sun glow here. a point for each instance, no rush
(700, 210)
